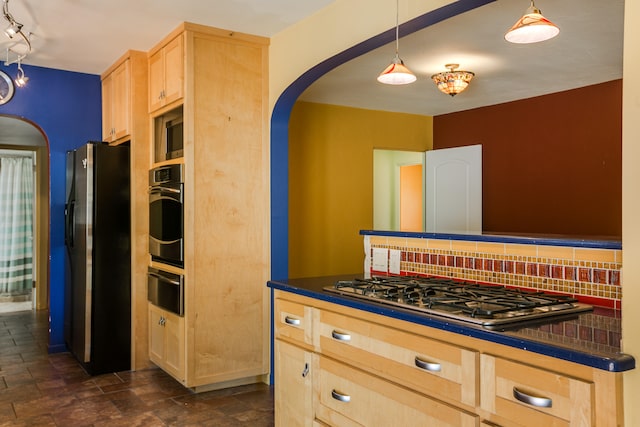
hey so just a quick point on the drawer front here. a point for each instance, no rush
(432, 367)
(350, 397)
(534, 396)
(293, 321)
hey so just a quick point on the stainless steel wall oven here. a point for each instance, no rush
(166, 290)
(166, 214)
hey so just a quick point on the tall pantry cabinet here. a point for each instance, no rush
(224, 99)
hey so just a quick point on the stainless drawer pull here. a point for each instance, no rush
(341, 397)
(428, 366)
(292, 321)
(540, 402)
(341, 336)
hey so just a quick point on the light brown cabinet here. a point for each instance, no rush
(350, 396)
(226, 312)
(116, 108)
(121, 84)
(534, 396)
(423, 376)
(166, 73)
(166, 341)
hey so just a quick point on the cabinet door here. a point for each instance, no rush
(156, 80)
(350, 397)
(120, 103)
(156, 335)
(293, 394)
(173, 69)
(166, 74)
(107, 103)
(528, 396)
(174, 346)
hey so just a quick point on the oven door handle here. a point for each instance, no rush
(163, 278)
(160, 190)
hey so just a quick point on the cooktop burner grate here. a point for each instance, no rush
(471, 302)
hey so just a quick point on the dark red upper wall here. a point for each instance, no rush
(551, 164)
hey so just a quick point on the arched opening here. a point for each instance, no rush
(282, 111)
(19, 136)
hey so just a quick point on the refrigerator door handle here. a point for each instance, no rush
(69, 224)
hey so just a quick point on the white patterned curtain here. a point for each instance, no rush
(16, 225)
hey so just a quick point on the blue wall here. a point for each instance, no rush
(67, 107)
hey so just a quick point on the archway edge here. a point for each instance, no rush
(38, 142)
(282, 112)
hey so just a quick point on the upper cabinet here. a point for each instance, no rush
(121, 83)
(166, 73)
(116, 108)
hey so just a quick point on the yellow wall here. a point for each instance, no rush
(631, 208)
(331, 180)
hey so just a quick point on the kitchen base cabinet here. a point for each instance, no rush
(350, 397)
(369, 369)
(534, 396)
(166, 341)
(294, 396)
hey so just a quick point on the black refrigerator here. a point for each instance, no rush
(97, 317)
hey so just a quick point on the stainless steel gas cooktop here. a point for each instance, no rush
(486, 305)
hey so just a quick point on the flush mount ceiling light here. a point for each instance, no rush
(452, 82)
(396, 73)
(532, 27)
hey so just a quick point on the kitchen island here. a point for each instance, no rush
(556, 373)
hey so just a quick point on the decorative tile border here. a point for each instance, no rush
(589, 274)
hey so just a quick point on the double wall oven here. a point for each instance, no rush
(166, 237)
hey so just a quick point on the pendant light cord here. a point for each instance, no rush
(397, 26)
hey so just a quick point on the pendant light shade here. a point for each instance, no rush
(532, 27)
(396, 73)
(452, 82)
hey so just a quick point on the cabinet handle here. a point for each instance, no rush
(428, 366)
(340, 336)
(162, 321)
(540, 402)
(341, 397)
(305, 371)
(291, 321)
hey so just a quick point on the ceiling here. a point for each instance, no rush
(88, 36)
(587, 51)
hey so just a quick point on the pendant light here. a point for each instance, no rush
(532, 27)
(397, 73)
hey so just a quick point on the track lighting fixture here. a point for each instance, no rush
(15, 29)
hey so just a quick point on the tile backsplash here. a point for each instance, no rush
(590, 274)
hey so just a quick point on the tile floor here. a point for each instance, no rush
(40, 389)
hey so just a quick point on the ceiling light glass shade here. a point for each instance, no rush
(396, 73)
(532, 27)
(452, 82)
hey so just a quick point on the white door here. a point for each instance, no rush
(454, 190)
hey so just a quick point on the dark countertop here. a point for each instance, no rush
(591, 339)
